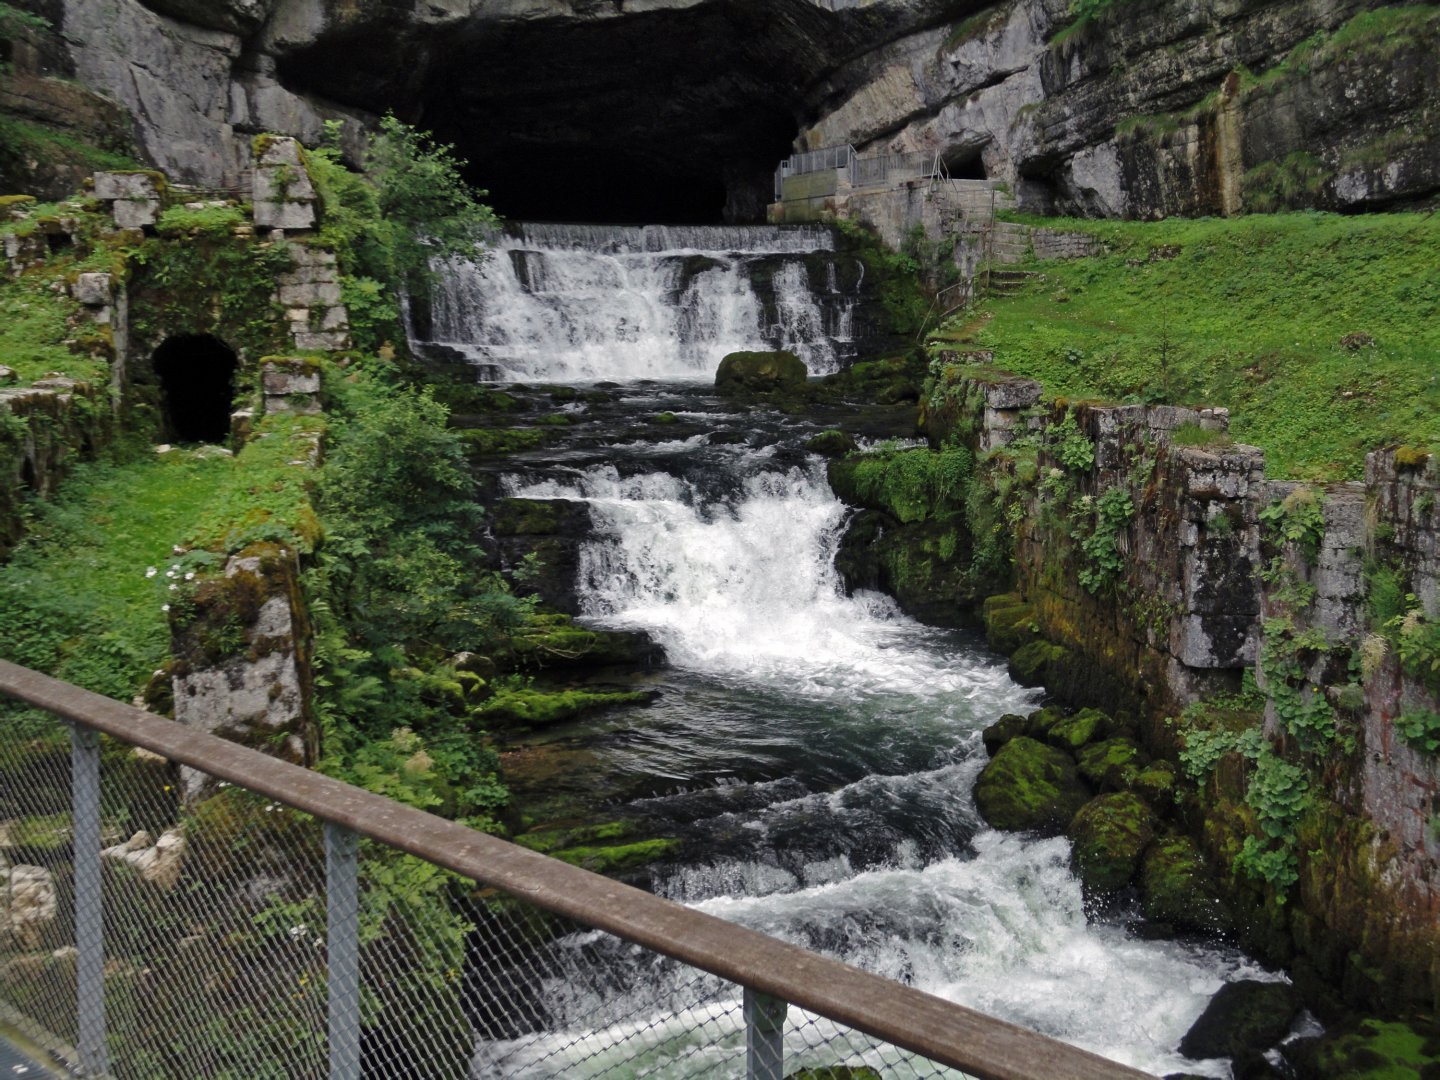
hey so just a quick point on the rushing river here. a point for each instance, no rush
(814, 751)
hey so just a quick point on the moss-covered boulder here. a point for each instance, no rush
(832, 443)
(1155, 783)
(760, 372)
(1030, 664)
(1109, 835)
(1073, 732)
(1030, 787)
(1009, 622)
(1111, 764)
(530, 708)
(1008, 727)
(1242, 1021)
(1371, 1049)
(1176, 887)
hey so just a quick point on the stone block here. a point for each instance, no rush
(320, 293)
(304, 404)
(136, 186)
(136, 213)
(336, 318)
(1012, 394)
(92, 290)
(285, 215)
(324, 341)
(278, 380)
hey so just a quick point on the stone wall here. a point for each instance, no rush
(1218, 571)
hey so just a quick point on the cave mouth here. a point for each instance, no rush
(197, 387)
(966, 165)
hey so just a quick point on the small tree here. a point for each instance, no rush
(427, 208)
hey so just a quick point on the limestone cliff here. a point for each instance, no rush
(678, 109)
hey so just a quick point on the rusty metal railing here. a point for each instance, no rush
(339, 966)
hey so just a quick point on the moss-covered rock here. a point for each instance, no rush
(1372, 1049)
(760, 372)
(831, 443)
(540, 517)
(490, 442)
(1242, 1021)
(531, 708)
(1111, 764)
(1176, 887)
(836, 1072)
(1008, 727)
(1109, 834)
(1009, 622)
(556, 642)
(1156, 783)
(1030, 663)
(1030, 787)
(1084, 727)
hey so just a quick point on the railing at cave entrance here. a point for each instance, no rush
(176, 905)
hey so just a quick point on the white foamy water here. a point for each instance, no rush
(575, 303)
(742, 590)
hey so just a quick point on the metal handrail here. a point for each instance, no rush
(951, 1034)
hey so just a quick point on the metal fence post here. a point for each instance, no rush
(89, 902)
(764, 1036)
(342, 905)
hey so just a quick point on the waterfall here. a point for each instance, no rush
(853, 734)
(560, 303)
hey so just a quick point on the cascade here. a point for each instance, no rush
(810, 754)
(593, 302)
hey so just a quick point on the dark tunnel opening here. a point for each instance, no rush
(197, 387)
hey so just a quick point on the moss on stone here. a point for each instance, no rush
(760, 372)
(1110, 833)
(1111, 764)
(1008, 727)
(614, 858)
(831, 443)
(531, 708)
(1156, 783)
(1009, 622)
(489, 442)
(1029, 787)
(1374, 1049)
(1084, 727)
(1030, 663)
(836, 1072)
(1177, 888)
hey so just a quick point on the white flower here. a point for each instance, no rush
(174, 587)
(164, 607)
(150, 571)
(190, 576)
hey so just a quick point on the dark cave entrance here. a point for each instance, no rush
(966, 165)
(197, 387)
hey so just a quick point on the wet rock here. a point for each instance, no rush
(1009, 622)
(760, 372)
(1109, 834)
(1111, 764)
(1242, 1021)
(1370, 1049)
(1030, 787)
(831, 444)
(1176, 888)
(1075, 731)
(1008, 727)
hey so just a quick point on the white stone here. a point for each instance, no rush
(136, 213)
(157, 861)
(28, 904)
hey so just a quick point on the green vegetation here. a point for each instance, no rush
(1244, 313)
(910, 485)
(82, 596)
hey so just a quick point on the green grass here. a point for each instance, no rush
(34, 321)
(1247, 313)
(75, 600)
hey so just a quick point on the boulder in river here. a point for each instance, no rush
(760, 372)
(1030, 787)
(1242, 1021)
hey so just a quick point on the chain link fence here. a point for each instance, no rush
(159, 921)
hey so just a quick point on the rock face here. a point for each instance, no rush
(679, 109)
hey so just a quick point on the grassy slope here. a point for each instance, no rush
(74, 600)
(1253, 310)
